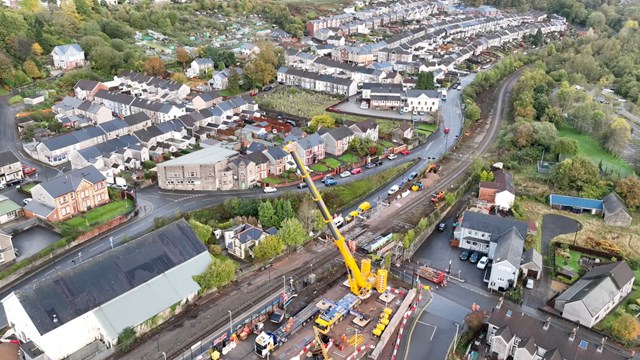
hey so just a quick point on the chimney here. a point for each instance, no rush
(573, 334)
(602, 342)
(499, 304)
(547, 323)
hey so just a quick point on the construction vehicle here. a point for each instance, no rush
(417, 186)
(267, 342)
(320, 342)
(433, 168)
(431, 274)
(336, 312)
(361, 280)
(437, 197)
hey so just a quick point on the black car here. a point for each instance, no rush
(442, 226)
(379, 163)
(465, 255)
(475, 256)
(267, 88)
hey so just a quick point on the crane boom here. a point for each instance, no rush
(357, 281)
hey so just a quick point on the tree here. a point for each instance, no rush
(425, 81)
(522, 132)
(183, 57)
(219, 273)
(324, 120)
(292, 232)
(618, 136)
(233, 84)
(105, 59)
(537, 39)
(203, 232)
(596, 20)
(484, 175)
(179, 77)
(31, 69)
(154, 67)
(545, 134)
(629, 190)
(262, 68)
(626, 327)
(267, 214)
(307, 213)
(283, 210)
(36, 49)
(565, 146)
(471, 110)
(220, 66)
(268, 248)
(575, 173)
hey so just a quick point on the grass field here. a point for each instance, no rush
(332, 163)
(385, 143)
(272, 180)
(590, 149)
(349, 158)
(227, 92)
(100, 214)
(296, 101)
(319, 168)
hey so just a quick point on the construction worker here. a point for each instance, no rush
(344, 338)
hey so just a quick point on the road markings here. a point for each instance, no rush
(96, 247)
(434, 328)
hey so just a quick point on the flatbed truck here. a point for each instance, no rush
(267, 342)
(431, 274)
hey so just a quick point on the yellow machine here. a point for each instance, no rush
(319, 342)
(361, 281)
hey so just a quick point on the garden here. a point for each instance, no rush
(99, 215)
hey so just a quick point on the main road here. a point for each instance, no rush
(154, 202)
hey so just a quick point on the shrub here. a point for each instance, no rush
(15, 100)
(126, 338)
(215, 249)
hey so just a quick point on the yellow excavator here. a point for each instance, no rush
(361, 280)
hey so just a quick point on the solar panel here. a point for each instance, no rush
(584, 344)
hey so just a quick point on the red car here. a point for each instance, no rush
(405, 152)
(446, 130)
(356, 171)
(29, 170)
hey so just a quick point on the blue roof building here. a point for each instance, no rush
(576, 204)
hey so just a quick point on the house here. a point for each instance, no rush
(310, 149)
(262, 164)
(64, 196)
(55, 150)
(206, 100)
(278, 159)
(96, 299)
(9, 211)
(199, 67)
(502, 239)
(576, 204)
(10, 167)
(220, 79)
(205, 169)
(499, 192)
(316, 82)
(67, 57)
(87, 89)
(137, 121)
(112, 156)
(7, 251)
(244, 172)
(367, 129)
(596, 294)
(531, 264)
(241, 239)
(423, 100)
(337, 140)
(512, 334)
(151, 88)
(403, 131)
(615, 212)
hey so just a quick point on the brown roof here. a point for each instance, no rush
(503, 181)
(9, 351)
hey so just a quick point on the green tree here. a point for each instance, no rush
(307, 214)
(203, 232)
(408, 238)
(218, 274)
(618, 136)
(293, 233)
(425, 81)
(629, 190)
(221, 66)
(522, 133)
(31, 69)
(267, 214)
(484, 175)
(626, 327)
(471, 110)
(233, 84)
(565, 146)
(283, 210)
(105, 59)
(182, 56)
(268, 248)
(574, 174)
(324, 120)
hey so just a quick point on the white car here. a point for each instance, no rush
(27, 200)
(392, 156)
(393, 189)
(364, 105)
(482, 263)
(345, 174)
(529, 284)
(270, 189)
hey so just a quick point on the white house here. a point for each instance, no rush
(241, 239)
(423, 100)
(220, 79)
(499, 192)
(367, 129)
(55, 150)
(98, 298)
(596, 294)
(199, 66)
(67, 57)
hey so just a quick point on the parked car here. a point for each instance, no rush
(28, 170)
(459, 87)
(270, 189)
(338, 221)
(379, 163)
(302, 185)
(421, 113)
(413, 175)
(364, 105)
(14, 182)
(442, 226)
(529, 284)
(401, 112)
(446, 130)
(356, 171)
(392, 156)
(405, 152)
(119, 187)
(326, 178)
(482, 263)
(345, 174)
(393, 189)
(475, 256)
(267, 88)
(370, 165)
(330, 182)
(1, 186)
(27, 200)
(465, 255)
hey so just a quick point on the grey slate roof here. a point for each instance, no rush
(8, 158)
(430, 93)
(493, 224)
(340, 133)
(136, 118)
(70, 181)
(249, 233)
(74, 137)
(509, 247)
(532, 256)
(612, 203)
(113, 125)
(310, 141)
(276, 152)
(86, 85)
(257, 157)
(84, 287)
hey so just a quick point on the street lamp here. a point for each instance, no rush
(230, 324)
(284, 294)
(455, 340)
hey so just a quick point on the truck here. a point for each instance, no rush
(267, 342)
(336, 312)
(431, 274)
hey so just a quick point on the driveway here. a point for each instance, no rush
(30, 241)
(552, 226)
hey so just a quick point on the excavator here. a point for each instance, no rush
(361, 279)
(437, 197)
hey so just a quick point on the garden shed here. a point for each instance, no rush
(615, 211)
(576, 205)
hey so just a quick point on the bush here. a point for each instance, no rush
(15, 100)
(219, 273)
(126, 338)
(215, 249)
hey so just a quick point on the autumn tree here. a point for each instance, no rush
(262, 68)
(31, 69)
(183, 57)
(179, 77)
(36, 49)
(565, 146)
(629, 191)
(268, 248)
(292, 232)
(154, 67)
(618, 136)
(576, 173)
(626, 327)
(522, 134)
(324, 120)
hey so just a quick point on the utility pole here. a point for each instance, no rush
(284, 296)
(230, 324)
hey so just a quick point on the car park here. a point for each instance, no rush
(393, 189)
(465, 255)
(330, 182)
(442, 226)
(475, 256)
(356, 171)
(392, 156)
(270, 189)
(345, 174)
(482, 263)
(405, 152)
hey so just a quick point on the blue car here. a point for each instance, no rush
(330, 182)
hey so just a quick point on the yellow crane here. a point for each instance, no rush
(319, 342)
(361, 281)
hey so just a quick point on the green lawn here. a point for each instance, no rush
(100, 214)
(590, 149)
(319, 168)
(384, 126)
(3, 91)
(271, 180)
(385, 143)
(349, 158)
(428, 127)
(28, 186)
(14, 100)
(227, 92)
(332, 163)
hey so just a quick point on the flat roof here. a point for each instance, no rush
(211, 154)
